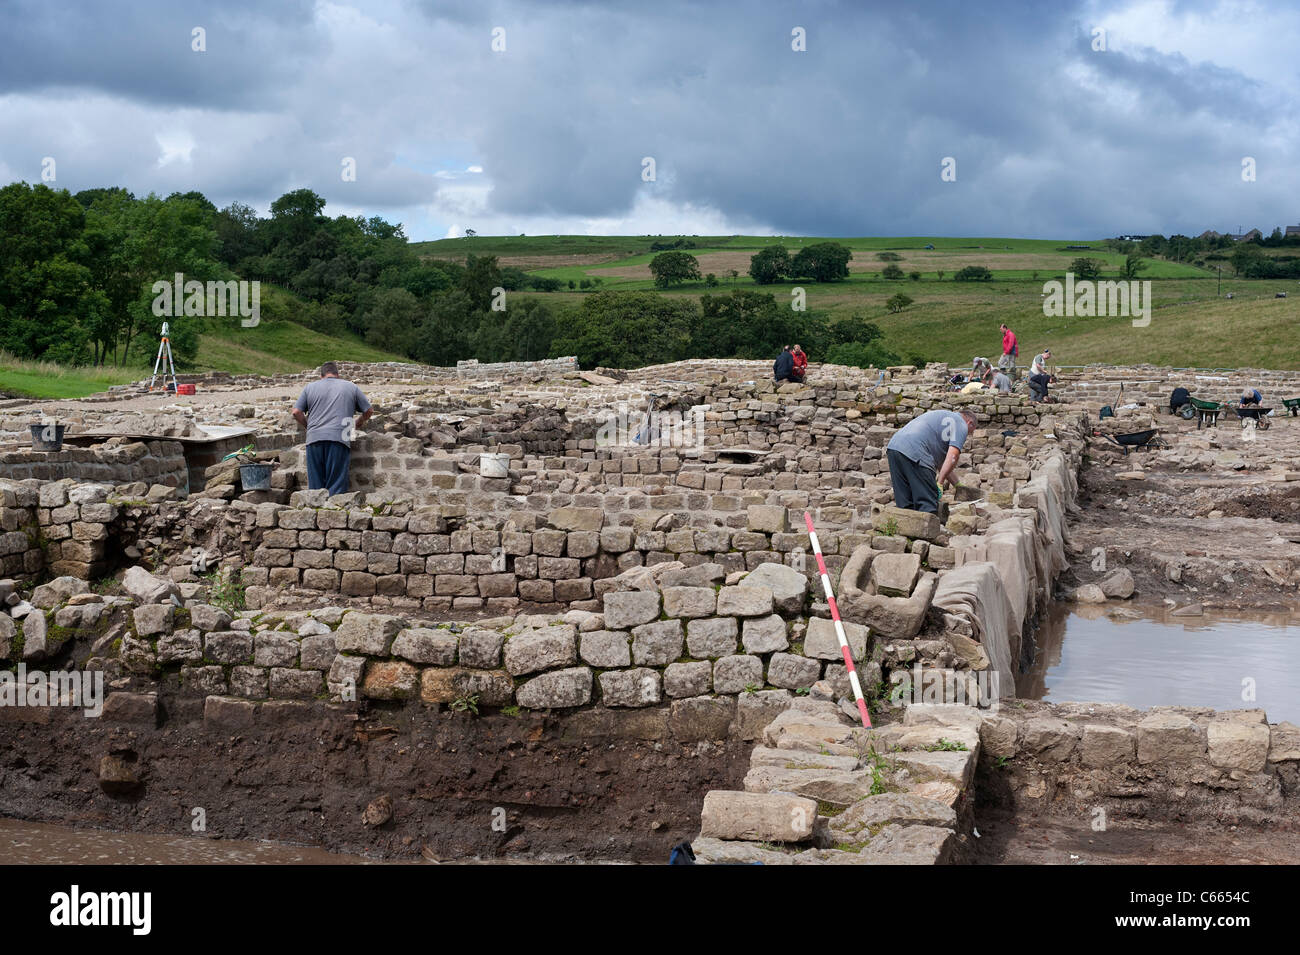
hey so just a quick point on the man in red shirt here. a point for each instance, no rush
(1010, 349)
(800, 364)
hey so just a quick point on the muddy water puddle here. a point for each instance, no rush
(1146, 657)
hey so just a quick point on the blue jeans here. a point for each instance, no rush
(915, 488)
(327, 466)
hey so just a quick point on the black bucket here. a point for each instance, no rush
(47, 437)
(255, 477)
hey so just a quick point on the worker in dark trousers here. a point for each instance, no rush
(927, 444)
(325, 408)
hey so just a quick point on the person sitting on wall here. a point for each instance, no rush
(1251, 396)
(1039, 378)
(783, 367)
(800, 364)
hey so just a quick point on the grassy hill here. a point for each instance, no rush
(1193, 323)
(273, 347)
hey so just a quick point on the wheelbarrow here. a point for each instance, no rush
(1258, 415)
(1207, 412)
(1292, 405)
(1138, 439)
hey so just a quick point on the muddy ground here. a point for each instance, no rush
(1214, 519)
(1008, 838)
(460, 786)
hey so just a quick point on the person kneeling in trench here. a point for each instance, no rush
(325, 408)
(928, 443)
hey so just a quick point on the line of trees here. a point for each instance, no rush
(76, 277)
(819, 262)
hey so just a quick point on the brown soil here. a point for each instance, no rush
(309, 781)
(1007, 838)
(530, 262)
(922, 260)
(1232, 536)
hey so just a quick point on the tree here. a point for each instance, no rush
(140, 242)
(771, 264)
(1133, 264)
(891, 272)
(822, 262)
(745, 324)
(1086, 268)
(625, 329)
(939, 274)
(481, 276)
(862, 355)
(1249, 261)
(914, 275)
(897, 303)
(237, 236)
(973, 273)
(673, 268)
(49, 305)
(444, 335)
(393, 321)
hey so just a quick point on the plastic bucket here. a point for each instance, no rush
(184, 389)
(47, 437)
(492, 465)
(255, 477)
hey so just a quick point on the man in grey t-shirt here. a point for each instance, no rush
(325, 408)
(928, 443)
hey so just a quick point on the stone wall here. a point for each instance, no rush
(21, 554)
(1175, 762)
(117, 462)
(1100, 384)
(544, 368)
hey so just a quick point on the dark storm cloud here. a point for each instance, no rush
(143, 50)
(1050, 137)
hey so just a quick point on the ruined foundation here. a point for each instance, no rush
(619, 645)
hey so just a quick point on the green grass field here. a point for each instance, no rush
(279, 347)
(1193, 324)
(43, 379)
(273, 347)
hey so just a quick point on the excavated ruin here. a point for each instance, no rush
(619, 641)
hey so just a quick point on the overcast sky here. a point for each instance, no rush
(1051, 138)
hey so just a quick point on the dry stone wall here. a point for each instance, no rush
(118, 462)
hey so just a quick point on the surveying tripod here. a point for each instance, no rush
(164, 351)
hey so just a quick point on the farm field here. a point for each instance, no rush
(1193, 323)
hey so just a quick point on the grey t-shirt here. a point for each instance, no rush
(329, 404)
(1002, 383)
(927, 438)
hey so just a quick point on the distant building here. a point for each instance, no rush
(1208, 234)
(1292, 231)
(1132, 238)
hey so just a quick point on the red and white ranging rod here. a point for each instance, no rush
(839, 624)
